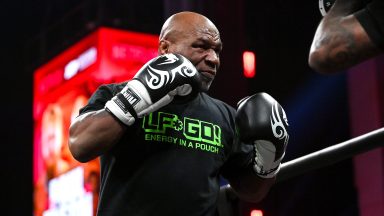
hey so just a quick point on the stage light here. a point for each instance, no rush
(249, 64)
(256, 213)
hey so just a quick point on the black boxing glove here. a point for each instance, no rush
(261, 120)
(153, 87)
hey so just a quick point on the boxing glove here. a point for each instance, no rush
(153, 87)
(262, 122)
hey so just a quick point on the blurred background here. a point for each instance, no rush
(279, 33)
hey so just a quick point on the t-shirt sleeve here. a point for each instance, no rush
(98, 99)
(372, 19)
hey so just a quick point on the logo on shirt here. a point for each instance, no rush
(185, 132)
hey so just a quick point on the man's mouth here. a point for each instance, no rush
(208, 74)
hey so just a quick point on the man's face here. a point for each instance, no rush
(202, 47)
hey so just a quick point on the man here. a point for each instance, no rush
(164, 142)
(351, 32)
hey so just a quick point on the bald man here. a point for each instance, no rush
(163, 147)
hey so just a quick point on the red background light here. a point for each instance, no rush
(249, 64)
(256, 213)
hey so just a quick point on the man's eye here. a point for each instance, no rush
(201, 46)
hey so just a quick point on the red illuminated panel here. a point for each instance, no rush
(124, 53)
(61, 88)
(249, 64)
(51, 77)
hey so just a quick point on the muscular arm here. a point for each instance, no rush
(93, 133)
(340, 41)
(250, 187)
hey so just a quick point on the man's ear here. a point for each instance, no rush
(163, 47)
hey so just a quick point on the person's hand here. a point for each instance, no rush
(262, 122)
(153, 87)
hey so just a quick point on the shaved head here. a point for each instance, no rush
(185, 23)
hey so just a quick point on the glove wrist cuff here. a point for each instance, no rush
(265, 163)
(114, 109)
(266, 173)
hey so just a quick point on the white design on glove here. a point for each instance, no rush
(278, 128)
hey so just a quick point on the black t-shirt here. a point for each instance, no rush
(169, 162)
(372, 19)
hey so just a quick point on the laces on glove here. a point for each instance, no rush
(264, 164)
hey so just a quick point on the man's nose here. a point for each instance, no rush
(213, 58)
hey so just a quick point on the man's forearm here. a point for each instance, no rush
(340, 40)
(93, 134)
(335, 46)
